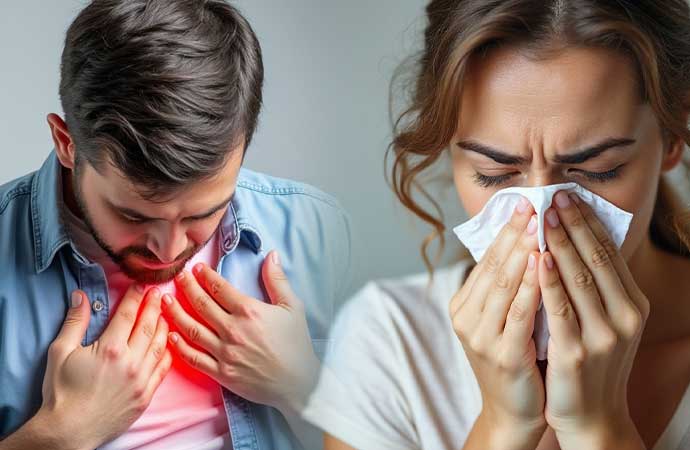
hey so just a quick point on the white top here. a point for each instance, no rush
(404, 379)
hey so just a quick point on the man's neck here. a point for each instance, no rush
(68, 196)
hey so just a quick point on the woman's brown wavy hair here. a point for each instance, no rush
(654, 33)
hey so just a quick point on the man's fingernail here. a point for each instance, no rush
(174, 337)
(139, 288)
(180, 276)
(167, 299)
(76, 299)
(275, 258)
(549, 261)
(198, 268)
(552, 218)
(532, 225)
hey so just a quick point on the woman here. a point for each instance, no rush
(514, 91)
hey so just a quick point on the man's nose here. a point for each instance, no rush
(169, 242)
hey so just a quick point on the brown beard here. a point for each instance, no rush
(120, 258)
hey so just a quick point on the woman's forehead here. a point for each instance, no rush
(577, 91)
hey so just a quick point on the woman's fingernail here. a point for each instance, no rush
(574, 197)
(167, 299)
(532, 225)
(276, 258)
(531, 261)
(552, 218)
(76, 299)
(174, 337)
(548, 259)
(562, 199)
(522, 205)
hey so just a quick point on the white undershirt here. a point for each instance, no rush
(186, 412)
(400, 378)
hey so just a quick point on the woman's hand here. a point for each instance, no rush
(259, 351)
(493, 316)
(93, 394)
(596, 315)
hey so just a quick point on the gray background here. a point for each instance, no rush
(325, 121)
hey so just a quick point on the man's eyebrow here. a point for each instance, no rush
(138, 216)
(577, 157)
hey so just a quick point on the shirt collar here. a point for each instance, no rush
(50, 234)
(238, 226)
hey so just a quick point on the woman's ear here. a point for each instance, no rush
(64, 146)
(674, 146)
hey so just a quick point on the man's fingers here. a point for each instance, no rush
(156, 348)
(76, 322)
(193, 357)
(145, 327)
(225, 294)
(120, 326)
(196, 333)
(161, 370)
(277, 285)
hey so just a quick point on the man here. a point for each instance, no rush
(139, 305)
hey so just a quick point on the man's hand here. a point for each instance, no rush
(259, 351)
(93, 394)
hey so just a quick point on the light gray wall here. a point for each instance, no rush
(328, 66)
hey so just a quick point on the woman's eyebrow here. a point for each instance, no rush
(577, 157)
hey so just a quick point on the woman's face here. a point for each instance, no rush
(536, 116)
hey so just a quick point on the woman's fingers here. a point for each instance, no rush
(614, 256)
(519, 323)
(575, 276)
(595, 254)
(560, 315)
(472, 300)
(507, 283)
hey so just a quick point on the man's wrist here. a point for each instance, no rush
(49, 427)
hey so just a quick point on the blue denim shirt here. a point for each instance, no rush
(39, 268)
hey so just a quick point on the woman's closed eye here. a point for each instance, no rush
(488, 181)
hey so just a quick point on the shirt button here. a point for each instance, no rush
(97, 306)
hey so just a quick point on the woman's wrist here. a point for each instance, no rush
(511, 434)
(603, 436)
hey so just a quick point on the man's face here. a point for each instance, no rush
(152, 240)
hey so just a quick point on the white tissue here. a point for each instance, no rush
(478, 233)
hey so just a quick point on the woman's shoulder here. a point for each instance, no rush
(414, 292)
(403, 308)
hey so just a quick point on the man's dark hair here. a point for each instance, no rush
(160, 89)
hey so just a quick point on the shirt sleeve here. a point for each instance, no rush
(360, 398)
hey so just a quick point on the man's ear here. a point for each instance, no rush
(674, 146)
(64, 146)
